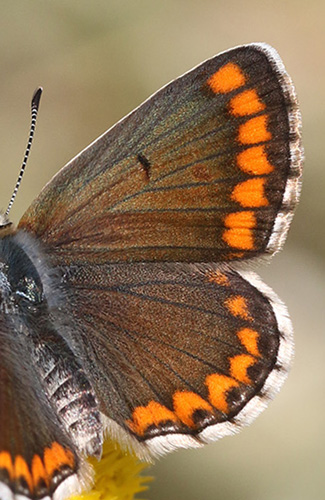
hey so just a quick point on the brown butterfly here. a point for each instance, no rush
(126, 300)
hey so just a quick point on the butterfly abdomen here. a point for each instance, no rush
(49, 414)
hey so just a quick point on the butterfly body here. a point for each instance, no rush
(125, 305)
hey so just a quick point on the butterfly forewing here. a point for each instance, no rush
(199, 172)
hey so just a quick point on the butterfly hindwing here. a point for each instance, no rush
(206, 170)
(177, 349)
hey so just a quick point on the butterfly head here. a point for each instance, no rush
(6, 226)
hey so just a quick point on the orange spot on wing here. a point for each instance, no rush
(218, 387)
(239, 365)
(246, 103)
(39, 473)
(237, 305)
(229, 77)
(56, 457)
(239, 234)
(249, 337)
(250, 193)
(218, 277)
(244, 219)
(239, 238)
(186, 403)
(254, 131)
(152, 414)
(6, 463)
(21, 469)
(254, 161)
(234, 255)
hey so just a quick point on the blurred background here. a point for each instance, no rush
(99, 59)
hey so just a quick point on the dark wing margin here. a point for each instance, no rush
(206, 170)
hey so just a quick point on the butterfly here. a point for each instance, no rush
(127, 300)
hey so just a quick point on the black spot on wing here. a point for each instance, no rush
(145, 163)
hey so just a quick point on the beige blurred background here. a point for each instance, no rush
(99, 59)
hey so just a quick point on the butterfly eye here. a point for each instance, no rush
(28, 290)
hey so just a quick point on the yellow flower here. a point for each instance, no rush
(117, 475)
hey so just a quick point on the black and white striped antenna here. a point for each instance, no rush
(34, 108)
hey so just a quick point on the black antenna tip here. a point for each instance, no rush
(35, 104)
(37, 97)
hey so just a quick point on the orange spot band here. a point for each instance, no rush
(152, 414)
(254, 131)
(239, 238)
(38, 471)
(55, 457)
(22, 470)
(6, 463)
(239, 365)
(254, 161)
(186, 403)
(249, 337)
(245, 219)
(238, 307)
(246, 103)
(219, 278)
(218, 387)
(250, 193)
(229, 77)
(239, 235)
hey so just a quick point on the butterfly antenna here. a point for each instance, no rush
(34, 109)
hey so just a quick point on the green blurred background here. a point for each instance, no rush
(99, 59)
